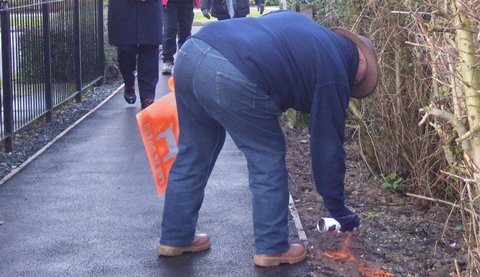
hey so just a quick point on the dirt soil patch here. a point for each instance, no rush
(398, 236)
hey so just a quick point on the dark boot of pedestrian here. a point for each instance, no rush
(146, 102)
(129, 95)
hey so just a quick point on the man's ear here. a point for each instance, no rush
(361, 58)
(362, 67)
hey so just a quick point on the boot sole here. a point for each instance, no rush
(171, 251)
(264, 261)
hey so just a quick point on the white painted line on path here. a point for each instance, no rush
(296, 219)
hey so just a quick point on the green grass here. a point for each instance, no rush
(198, 16)
(255, 13)
(26, 21)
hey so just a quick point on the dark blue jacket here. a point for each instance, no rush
(218, 8)
(134, 22)
(301, 65)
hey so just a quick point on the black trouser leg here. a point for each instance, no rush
(127, 62)
(185, 21)
(148, 56)
(170, 31)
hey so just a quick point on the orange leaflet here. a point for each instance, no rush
(158, 126)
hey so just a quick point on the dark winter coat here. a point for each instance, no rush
(218, 8)
(133, 22)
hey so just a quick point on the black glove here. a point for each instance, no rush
(261, 8)
(347, 219)
(206, 13)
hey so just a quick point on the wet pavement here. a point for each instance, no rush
(87, 206)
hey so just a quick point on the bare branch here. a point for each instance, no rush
(468, 134)
(439, 201)
(446, 117)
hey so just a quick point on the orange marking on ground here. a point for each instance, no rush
(345, 253)
(339, 255)
(373, 272)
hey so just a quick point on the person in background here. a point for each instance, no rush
(239, 76)
(226, 9)
(177, 21)
(135, 27)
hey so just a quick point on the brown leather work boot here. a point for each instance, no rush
(201, 242)
(295, 254)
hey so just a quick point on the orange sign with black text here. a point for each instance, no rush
(158, 125)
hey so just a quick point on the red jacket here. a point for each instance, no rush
(197, 3)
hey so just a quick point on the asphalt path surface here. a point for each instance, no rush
(87, 206)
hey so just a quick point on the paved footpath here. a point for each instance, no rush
(87, 206)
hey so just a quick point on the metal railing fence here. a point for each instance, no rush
(51, 50)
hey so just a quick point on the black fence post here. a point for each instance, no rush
(47, 54)
(101, 46)
(7, 76)
(78, 50)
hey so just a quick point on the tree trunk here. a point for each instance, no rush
(470, 74)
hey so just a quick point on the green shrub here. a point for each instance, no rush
(272, 2)
(32, 60)
(111, 60)
(394, 182)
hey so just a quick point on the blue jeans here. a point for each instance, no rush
(214, 97)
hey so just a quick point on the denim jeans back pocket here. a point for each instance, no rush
(237, 93)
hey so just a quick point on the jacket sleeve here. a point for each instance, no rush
(327, 127)
(205, 4)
